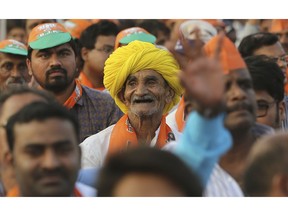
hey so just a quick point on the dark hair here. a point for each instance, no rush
(89, 35)
(266, 76)
(15, 23)
(71, 43)
(19, 90)
(154, 26)
(151, 161)
(39, 111)
(251, 43)
(267, 158)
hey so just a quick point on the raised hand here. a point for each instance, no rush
(202, 76)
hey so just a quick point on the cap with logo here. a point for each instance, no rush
(13, 47)
(48, 35)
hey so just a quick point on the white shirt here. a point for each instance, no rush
(95, 148)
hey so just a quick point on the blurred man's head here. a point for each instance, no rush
(147, 172)
(43, 139)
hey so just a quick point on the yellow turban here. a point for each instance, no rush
(136, 56)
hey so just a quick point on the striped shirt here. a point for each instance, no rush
(221, 184)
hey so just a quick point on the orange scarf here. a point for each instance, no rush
(179, 115)
(123, 135)
(75, 96)
(85, 81)
(15, 192)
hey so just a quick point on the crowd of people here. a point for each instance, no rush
(193, 108)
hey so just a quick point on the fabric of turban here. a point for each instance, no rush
(230, 58)
(137, 56)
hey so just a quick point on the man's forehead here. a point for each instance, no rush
(56, 48)
(14, 103)
(146, 73)
(11, 57)
(274, 50)
(242, 73)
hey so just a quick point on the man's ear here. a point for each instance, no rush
(279, 185)
(170, 93)
(84, 53)
(121, 95)
(8, 158)
(28, 63)
(282, 111)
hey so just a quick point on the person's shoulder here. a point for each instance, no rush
(95, 138)
(93, 93)
(260, 130)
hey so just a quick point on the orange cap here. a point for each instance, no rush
(230, 58)
(278, 25)
(76, 26)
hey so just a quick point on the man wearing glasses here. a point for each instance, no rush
(268, 83)
(97, 43)
(268, 44)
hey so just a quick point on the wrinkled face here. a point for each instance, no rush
(145, 185)
(146, 93)
(9, 108)
(18, 34)
(276, 51)
(95, 59)
(54, 69)
(240, 100)
(13, 70)
(268, 110)
(46, 157)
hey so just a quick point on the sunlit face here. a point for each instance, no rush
(145, 185)
(13, 70)
(54, 69)
(95, 58)
(46, 157)
(146, 93)
(240, 100)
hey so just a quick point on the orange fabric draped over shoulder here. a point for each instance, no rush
(124, 137)
(230, 58)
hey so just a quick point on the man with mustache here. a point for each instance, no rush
(52, 62)
(240, 103)
(143, 80)
(13, 69)
(43, 139)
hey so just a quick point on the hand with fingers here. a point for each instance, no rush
(201, 76)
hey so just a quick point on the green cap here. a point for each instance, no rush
(48, 35)
(13, 47)
(141, 36)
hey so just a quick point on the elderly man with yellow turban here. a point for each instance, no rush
(143, 80)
